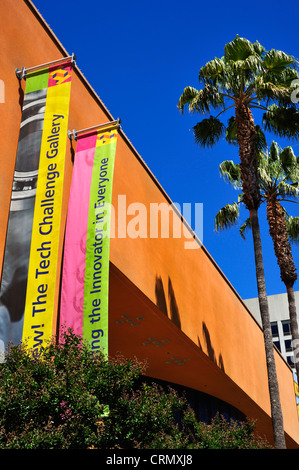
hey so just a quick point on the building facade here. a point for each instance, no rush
(168, 305)
(280, 322)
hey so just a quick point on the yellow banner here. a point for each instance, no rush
(39, 320)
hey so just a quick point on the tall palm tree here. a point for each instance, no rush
(245, 78)
(278, 172)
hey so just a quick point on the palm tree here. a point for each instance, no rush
(245, 78)
(278, 173)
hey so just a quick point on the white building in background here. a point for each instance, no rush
(280, 322)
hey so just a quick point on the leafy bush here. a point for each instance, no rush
(68, 398)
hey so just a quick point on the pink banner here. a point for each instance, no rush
(72, 291)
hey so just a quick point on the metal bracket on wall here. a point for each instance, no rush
(23, 72)
(106, 126)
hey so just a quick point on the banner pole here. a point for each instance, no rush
(108, 125)
(23, 72)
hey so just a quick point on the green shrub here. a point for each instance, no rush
(68, 398)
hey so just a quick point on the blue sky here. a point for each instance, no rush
(139, 56)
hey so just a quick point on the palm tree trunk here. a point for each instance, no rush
(246, 136)
(282, 247)
(276, 412)
(294, 326)
(284, 256)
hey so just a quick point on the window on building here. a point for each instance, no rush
(288, 345)
(274, 328)
(277, 344)
(286, 327)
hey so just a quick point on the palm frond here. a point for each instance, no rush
(287, 189)
(238, 49)
(212, 71)
(188, 96)
(292, 224)
(258, 48)
(288, 159)
(260, 142)
(230, 172)
(252, 63)
(278, 164)
(274, 152)
(277, 86)
(245, 227)
(231, 131)
(275, 83)
(227, 217)
(269, 92)
(208, 131)
(264, 176)
(278, 172)
(276, 60)
(282, 121)
(281, 76)
(240, 198)
(200, 100)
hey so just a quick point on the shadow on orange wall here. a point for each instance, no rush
(173, 313)
(209, 347)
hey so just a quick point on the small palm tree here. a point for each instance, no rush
(278, 172)
(245, 78)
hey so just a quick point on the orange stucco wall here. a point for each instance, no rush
(198, 299)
